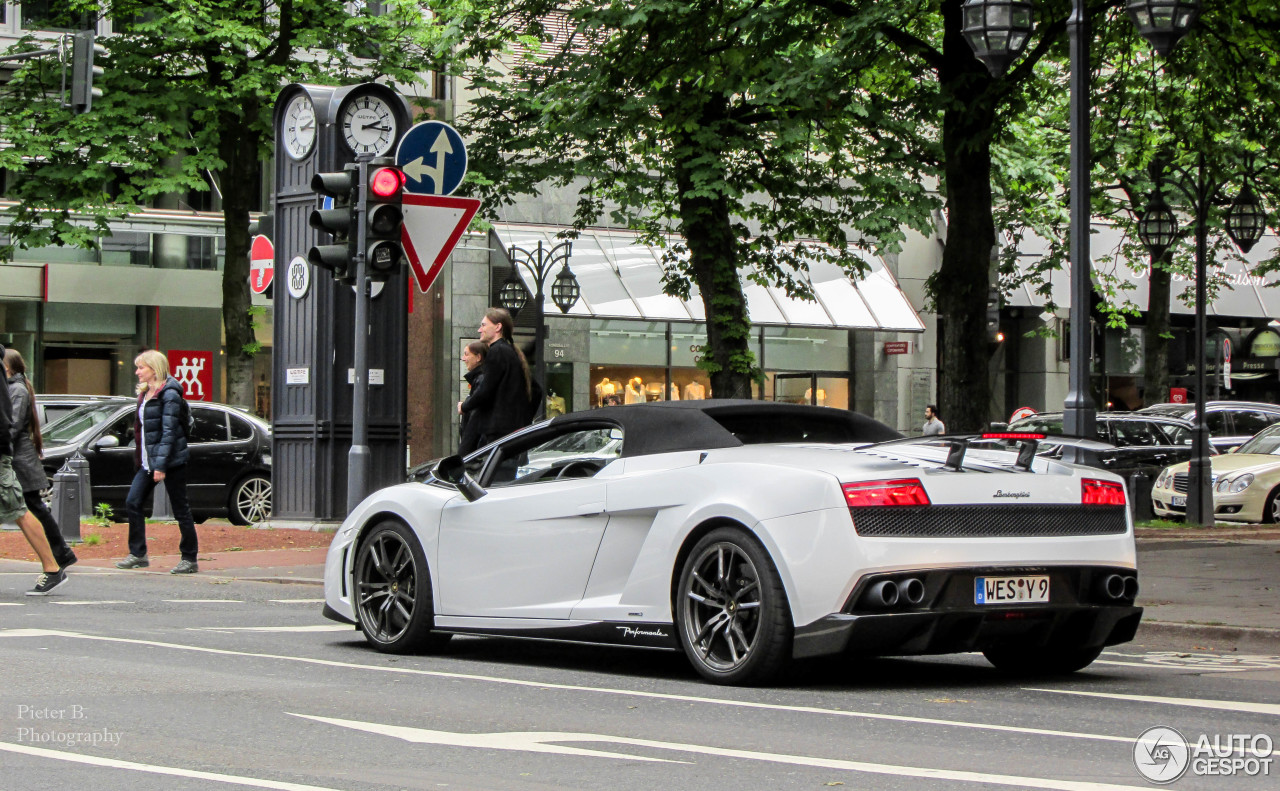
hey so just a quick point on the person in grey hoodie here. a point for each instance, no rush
(24, 434)
(160, 454)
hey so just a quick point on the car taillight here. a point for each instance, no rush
(1094, 492)
(1014, 435)
(907, 491)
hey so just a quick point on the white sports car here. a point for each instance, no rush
(746, 533)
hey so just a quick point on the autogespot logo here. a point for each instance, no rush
(1161, 754)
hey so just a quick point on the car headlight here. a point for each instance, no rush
(1163, 481)
(1235, 485)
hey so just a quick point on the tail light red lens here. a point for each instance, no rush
(1095, 492)
(1015, 435)
(907, 491)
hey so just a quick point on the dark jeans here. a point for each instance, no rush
(35, 504)
(175, 483)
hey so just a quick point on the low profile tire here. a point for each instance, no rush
(731, 610)
(1041, 661)
(1271, 511)
(392, 591)
(250, 501)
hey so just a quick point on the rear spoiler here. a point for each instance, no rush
(1074, 449)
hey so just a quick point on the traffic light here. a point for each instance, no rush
(83, 71)
(993, 316)
(384, 193)
(339, 221)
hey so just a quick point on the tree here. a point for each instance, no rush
(734, 124)
(188, 96)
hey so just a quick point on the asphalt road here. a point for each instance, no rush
(151, 682)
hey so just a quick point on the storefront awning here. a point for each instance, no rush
(1243, 296)
(622, 278)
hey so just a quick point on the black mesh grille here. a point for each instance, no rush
(988, 521)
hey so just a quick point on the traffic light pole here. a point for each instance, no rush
(359, 457)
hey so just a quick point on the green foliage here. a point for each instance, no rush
(102, 515)
(92, 539)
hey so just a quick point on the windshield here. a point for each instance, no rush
(77, 422)
(1265, 442)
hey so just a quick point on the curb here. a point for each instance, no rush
(1235, 638)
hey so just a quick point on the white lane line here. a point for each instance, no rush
(1167, 666)
(11, 603)
(576, 688)
(113, 763)
(202, 601)
(1223, 705)
(313, 628)
(541, 742)
(297, 601)
(94, 601)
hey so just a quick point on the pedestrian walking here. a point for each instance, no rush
(14, 509)
(469, 427)
(933, 424)
(503, 400)
(160, 454)
(24, 437)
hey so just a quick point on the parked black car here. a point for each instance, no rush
(1231, 423)
(1145, 443)
(229, 472)
(54, 406)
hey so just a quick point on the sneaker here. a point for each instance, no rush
(68, 559)
(47, 582)
(185, 567)
(133, 562)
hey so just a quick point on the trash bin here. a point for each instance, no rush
(72, 498)
(1140, 497)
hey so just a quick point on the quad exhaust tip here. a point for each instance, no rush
(1117, 586)
(911, 590)
(884, 594)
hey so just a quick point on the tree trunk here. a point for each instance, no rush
(1155, 352)
(238, 147)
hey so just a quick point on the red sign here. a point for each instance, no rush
(433, 224)
(897, 347)
(262, 264)
(1178, 395)
(1021, 412)
(194, 371)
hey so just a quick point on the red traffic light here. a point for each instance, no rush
(386, 182)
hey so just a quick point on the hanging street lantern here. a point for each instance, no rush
(1246, 219)
(513, 295)
(997, 31)
(1163, 23)
(1158, 226)
(565, 290)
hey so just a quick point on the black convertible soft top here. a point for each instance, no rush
(668, 426)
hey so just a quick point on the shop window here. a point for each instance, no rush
(49, 15)
(615, 385)
(805, 349)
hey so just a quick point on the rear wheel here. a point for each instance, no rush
(731, 610)
(393, 591)
(1041, 660)
(250, 501)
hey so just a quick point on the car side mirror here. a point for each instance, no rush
(452, 470)
(108, 441)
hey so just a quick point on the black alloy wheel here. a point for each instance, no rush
(392, 591)
(731, 610)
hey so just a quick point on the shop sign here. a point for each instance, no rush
(557, 351)
(194, 371)
(299, 277)
(897, 347)
(1178, 395)
(1265, 344)
(297, 376)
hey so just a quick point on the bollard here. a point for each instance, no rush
(1140, 497)
(161, 508)
(72, 497)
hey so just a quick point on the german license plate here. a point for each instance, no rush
(1179, 501)
(1010, 590)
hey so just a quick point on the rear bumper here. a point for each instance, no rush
(1079, 615)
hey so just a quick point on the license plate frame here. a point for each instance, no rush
(1178, 501)
(1011, 589)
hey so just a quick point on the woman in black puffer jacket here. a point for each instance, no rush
(160, 454)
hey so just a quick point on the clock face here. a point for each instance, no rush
(298, 128)
(368, 125)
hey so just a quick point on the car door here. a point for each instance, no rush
(1142, 447)
(110, 453)
(212, 465)
(526, 548)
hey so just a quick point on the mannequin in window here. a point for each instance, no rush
(694, 392)
(675, 392)
(605, 389)
(822, 396)
(633, 393)
(555, 404)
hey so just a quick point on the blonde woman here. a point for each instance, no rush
(160, 454)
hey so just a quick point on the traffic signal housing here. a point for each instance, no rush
(84, 53)
(384, 218)
(339, 221)
(993, 317)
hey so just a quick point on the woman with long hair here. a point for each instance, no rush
(502, 401)
(24, 433)
(160, 454)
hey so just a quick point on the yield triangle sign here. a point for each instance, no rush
(433, 224)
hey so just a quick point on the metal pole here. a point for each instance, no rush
(359, 457)
(1079, 412)
(1200, 472)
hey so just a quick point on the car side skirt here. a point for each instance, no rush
(631, 633)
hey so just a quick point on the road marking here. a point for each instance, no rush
(203, 601)
(1224, 705)
(297, 601)
(113, 763)
(11, 603)
(95, 601)
(314, 628)
(576, 688)
(538, 742)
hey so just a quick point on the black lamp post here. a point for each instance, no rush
(995, 31)
(1157, 228)
(564, 291)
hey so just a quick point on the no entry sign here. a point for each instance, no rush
(262, 264)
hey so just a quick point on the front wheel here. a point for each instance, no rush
(1271, 511)
(250, 501)
(1041, 661)
(393, 591)
(731, 610)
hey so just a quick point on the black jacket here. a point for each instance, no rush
(6, 426)
(501, 399)
(165, 429)
(469, 429)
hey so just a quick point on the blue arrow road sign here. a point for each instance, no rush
(433, 158)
